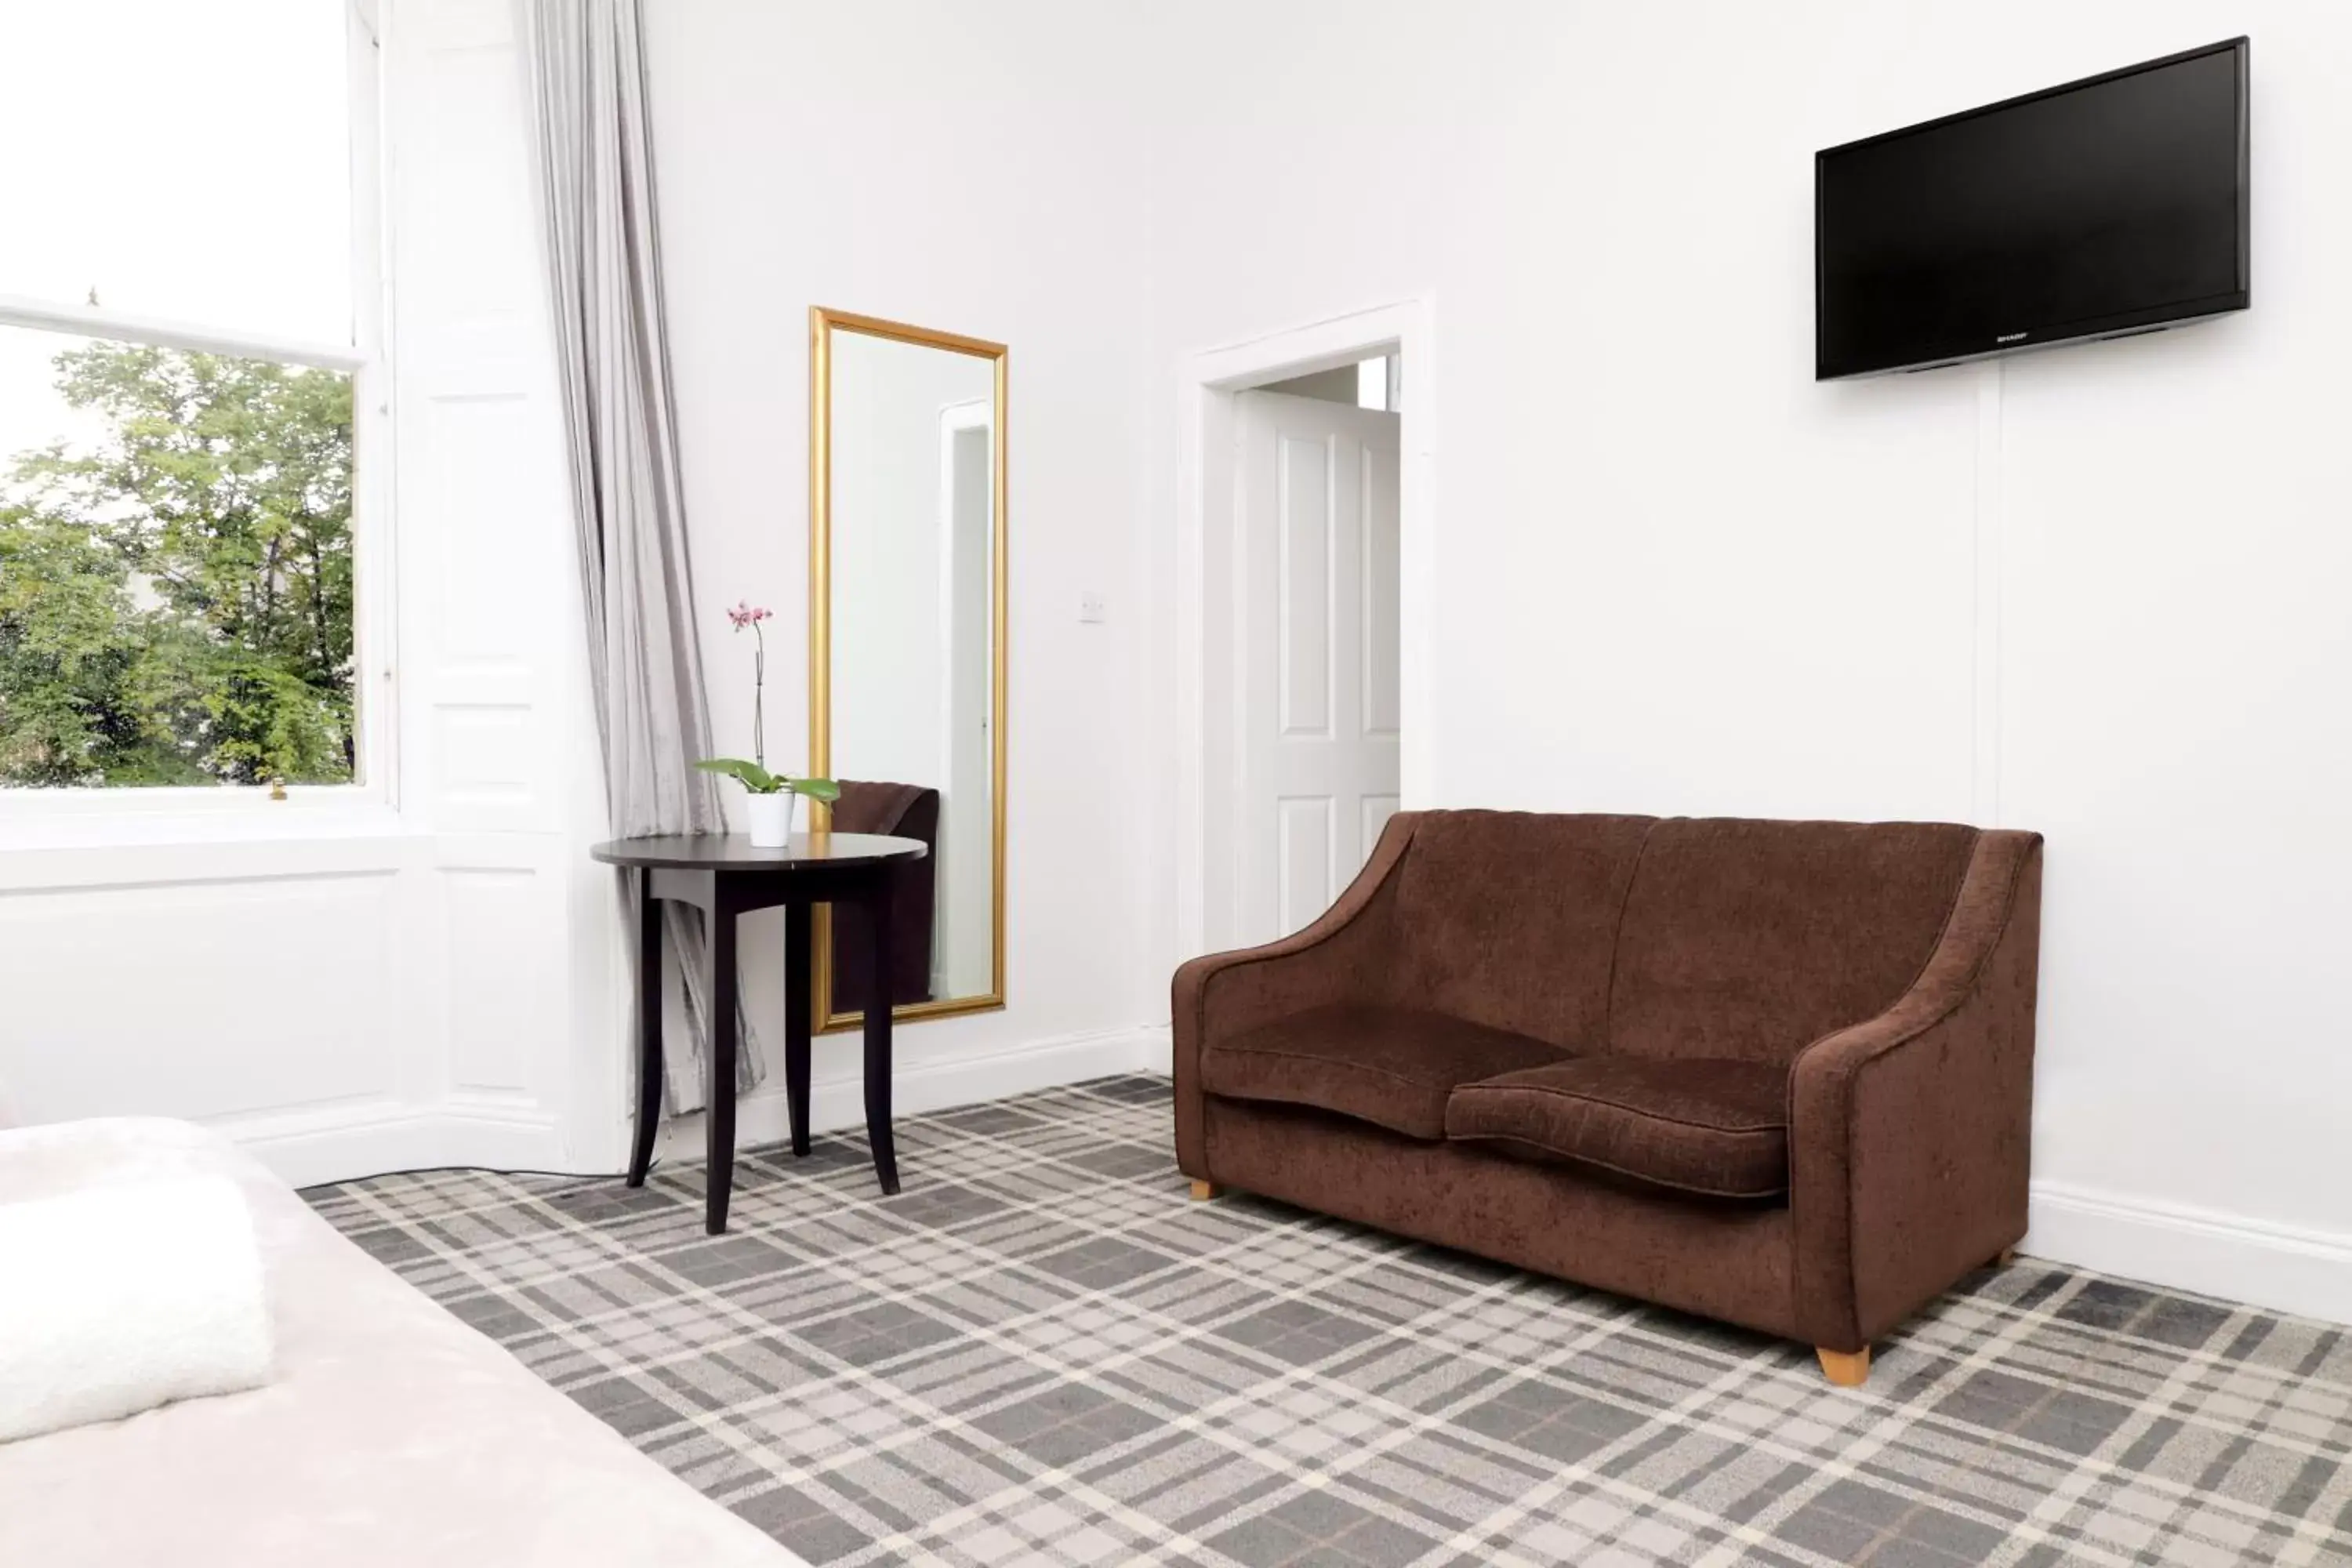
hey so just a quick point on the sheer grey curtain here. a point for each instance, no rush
(603, 262)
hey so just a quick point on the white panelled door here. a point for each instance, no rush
(1318, 719)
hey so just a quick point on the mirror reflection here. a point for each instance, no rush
(907, 569)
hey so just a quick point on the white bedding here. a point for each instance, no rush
(391, 1434)
(125, 1297)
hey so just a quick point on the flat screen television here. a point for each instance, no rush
(2110, 206)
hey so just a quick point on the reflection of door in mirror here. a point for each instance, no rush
(961, 961)
(906, 699)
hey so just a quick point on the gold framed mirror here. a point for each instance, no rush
(906, 665)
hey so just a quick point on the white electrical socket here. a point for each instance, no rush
(1091, 609)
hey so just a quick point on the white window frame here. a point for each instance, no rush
(103, 814)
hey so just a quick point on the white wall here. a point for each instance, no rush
(1676, 575)
(424, 979)
(1331, 385)
(969, 168)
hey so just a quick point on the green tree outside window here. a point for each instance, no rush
(175, 598)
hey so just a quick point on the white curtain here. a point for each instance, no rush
(604, 263)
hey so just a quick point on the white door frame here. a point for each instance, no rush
(1206, 382)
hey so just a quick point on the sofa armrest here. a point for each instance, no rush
(1909, 1134)
(1340, 957)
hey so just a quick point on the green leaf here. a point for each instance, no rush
(752, 775)
(815, 789)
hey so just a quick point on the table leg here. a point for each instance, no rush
(649, 1029)
(878, 1037)
(798, 1001)
(719, 1118)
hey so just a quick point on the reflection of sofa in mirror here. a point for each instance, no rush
(902, 811)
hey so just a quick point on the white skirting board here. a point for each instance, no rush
(2286, 1269)
(839, 1100)
(2282, 1267)
(341, 1142)
(307, 1149)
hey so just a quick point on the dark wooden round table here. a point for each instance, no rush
(726, 876)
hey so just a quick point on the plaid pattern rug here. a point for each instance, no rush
(1042, 1353)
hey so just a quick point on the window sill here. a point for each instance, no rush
(104, 820)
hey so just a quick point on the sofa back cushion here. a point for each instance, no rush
(1748, 940)
(1507, 918)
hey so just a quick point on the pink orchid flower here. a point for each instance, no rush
(747, 615)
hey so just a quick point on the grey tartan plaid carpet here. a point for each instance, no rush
(1042, 1352)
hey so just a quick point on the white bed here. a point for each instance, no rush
(392, 1433)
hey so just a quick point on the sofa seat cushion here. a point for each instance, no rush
(1390, 1066)
(1719, 1128)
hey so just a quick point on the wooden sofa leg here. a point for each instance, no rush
(2004, 1258)
(1846, 1369)
(1203, 1191)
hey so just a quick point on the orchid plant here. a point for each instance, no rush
(753, 775)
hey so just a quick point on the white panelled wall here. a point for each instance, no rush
(498, 733)
(423, 979)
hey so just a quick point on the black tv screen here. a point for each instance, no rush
(2109, 205)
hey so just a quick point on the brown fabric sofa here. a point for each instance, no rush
(1777, 1073)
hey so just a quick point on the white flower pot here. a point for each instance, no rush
(772, 818)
